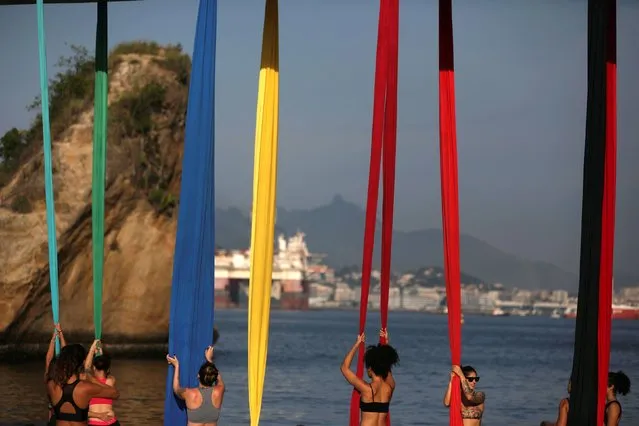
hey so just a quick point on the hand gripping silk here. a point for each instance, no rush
(450, 195)
(263, 212)
(383, 145)
(99, 160)
(48, 170)
(191, 321)
(592, 328)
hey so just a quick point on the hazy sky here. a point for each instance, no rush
(521, 92)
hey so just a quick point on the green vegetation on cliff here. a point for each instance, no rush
(144, 118)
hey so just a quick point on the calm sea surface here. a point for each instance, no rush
(523, 363)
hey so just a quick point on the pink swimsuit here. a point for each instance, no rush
(95, 401)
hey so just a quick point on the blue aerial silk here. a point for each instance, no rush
(192, 292)
(48, 170)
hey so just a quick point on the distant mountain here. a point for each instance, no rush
(337, 229)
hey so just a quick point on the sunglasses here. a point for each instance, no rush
(472, 379)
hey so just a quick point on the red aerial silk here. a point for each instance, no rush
(384, 134)
(608, 214)
(390, 143)
(450, 196)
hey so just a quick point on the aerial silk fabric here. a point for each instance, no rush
(48, 170)
(608, 213)
(388, 160)
(383, 149)
(191, 320)
(592, 329)
(450, 195)
(99, 161)
(263, 212)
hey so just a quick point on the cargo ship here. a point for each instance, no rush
(625, 312)
(289, 286)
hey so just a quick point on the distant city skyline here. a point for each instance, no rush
(521, 100)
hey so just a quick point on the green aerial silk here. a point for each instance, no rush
(48, 170)
(99, 161)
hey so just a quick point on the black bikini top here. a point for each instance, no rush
(614, 401)
(373, 407)
(80, 414)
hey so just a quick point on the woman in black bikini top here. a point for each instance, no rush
(618, 383)
(374, 396)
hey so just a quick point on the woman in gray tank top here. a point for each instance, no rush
(204, 403)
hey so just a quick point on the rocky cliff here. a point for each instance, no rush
(147, 103)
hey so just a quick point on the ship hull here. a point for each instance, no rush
(293, 301)
(617, 314)
(626, 314)
(234, 295)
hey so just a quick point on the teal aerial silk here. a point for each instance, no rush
(99, 161)
(99, 165)
(48, 170)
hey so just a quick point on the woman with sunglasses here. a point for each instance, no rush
(472, 401)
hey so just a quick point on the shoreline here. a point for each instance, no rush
(32, 348)
(27, 352)
(35, 348)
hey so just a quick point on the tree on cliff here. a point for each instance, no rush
(70, 93)
(11, 145)
(142, 120)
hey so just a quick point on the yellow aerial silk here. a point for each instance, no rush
(263, 214)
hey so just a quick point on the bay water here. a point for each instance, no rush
(523, 362)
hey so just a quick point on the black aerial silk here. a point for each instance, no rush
(583, 398)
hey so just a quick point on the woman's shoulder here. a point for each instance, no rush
(385, 387)
(613, 403)
(191, 391)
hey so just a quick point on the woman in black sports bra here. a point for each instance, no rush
(69, 393)
(49, 362)
(375, 396)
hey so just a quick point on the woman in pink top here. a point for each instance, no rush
(97, 366)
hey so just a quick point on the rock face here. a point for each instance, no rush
(147, 101)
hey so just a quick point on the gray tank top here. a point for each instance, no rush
(205, 413)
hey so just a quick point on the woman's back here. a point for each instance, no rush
(70, 402)
(203, 405)
(68, 392)
(99, 405)
(375, 407)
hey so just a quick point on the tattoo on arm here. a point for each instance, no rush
(471, 395)
(479, 397)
